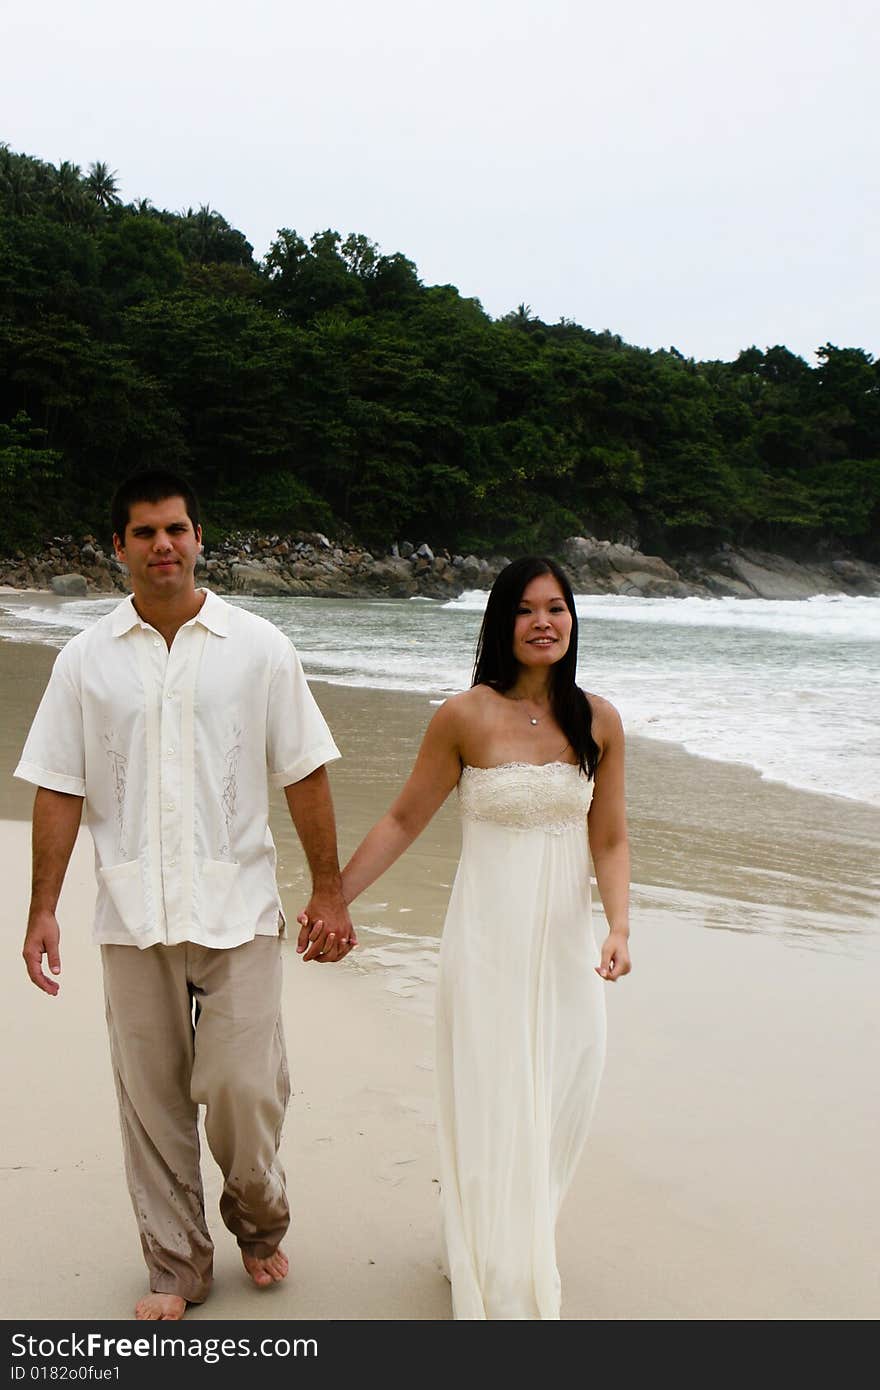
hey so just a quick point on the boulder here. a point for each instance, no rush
(69, 585)
(577, 550)
(598, 564)
(622, 584)
(628, 561)
(469, 572)
(41, 575)
(585, 556)
(303, 569)
(393, 577)
(771, 576)
(652, 586)
(856, 576)
(100, 579)
(253, 579)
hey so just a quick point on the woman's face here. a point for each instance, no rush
(542, 626)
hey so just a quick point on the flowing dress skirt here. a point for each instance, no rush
(520, 1039)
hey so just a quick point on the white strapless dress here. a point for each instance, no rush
(520, 1034)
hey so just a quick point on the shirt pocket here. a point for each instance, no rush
(222, 907)
(125, 884)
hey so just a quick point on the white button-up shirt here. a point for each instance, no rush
(174, 752)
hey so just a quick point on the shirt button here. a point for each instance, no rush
(170, 694)
(169, 806)
(169, 752)
(156, 642)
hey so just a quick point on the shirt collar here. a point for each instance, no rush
(213, 615)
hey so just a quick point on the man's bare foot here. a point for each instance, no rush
(268, 1270)
(160, 1307)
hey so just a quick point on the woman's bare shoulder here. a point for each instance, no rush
(481, 696)
(464, 700)
(606, 717)
(476, 697)
(460, 713)
(599, 704)
(458, 710)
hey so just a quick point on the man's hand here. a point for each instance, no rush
(56, 822)
(42, 939)
(326, 931)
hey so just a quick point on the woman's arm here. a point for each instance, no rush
(609, 845)
(436, 771)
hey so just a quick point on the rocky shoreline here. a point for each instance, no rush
(312, 565)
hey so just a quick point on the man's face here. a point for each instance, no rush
(160, 548)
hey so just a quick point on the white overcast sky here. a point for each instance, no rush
(682, 172)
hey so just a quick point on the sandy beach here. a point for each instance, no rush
(731, 1169)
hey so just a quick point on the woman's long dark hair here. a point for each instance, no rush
(496, 666)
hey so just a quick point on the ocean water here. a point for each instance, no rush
(791, 689)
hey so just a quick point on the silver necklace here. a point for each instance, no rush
(520, 699)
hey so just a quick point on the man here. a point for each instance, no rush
(169, 717)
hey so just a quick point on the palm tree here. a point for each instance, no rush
(18, 185)
(102, 184)
(520, 317)
(68, 191)
(205, 224)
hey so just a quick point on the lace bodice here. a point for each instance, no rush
(554, 797)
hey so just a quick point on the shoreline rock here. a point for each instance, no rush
(314, 566)
(727, 572)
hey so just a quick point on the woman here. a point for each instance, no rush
(520, 1009)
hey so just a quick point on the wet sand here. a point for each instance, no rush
(731, 1169)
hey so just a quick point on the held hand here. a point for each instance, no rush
(42, 938)
(326, 931)
(615, 957)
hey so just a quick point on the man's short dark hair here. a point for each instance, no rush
(150, 485)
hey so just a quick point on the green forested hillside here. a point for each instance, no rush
(328, 387)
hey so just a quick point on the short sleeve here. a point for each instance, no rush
(54, 752)
(297, 737)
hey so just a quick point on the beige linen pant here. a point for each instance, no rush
(193, 1026)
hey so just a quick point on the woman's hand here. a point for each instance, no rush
(313, 943)
(615, 957)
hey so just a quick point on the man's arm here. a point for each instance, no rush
(328, 934)
(55, 824)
